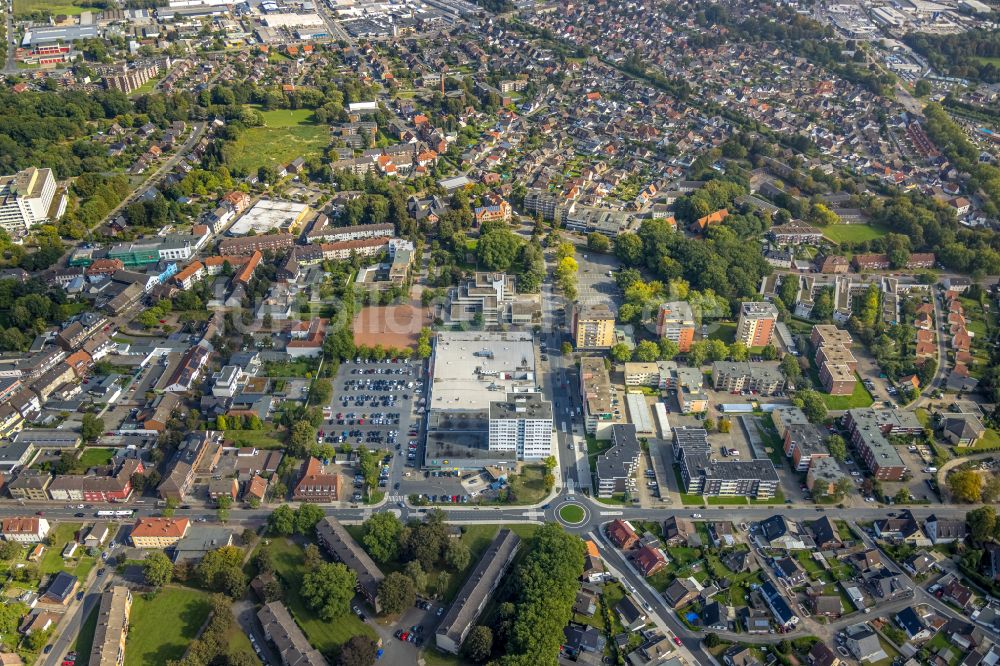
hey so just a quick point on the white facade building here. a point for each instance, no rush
(522, 423)
(25, 200)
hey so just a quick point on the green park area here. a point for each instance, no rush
(52, 7)
(852, 233)
(285, 135)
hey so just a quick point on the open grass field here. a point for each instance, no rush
(261, 439)
(852, 233)
(285, 135)
(53, 7)
(162, 627)
(324, 636)
(390, 325)
(93, 456)
(859, 398)
(725, 331)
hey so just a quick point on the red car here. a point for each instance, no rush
(677, 640)
(405, 635)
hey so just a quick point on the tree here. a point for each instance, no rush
(358, 651)
(10, 617)
(221, 570)
(157, 569)
(788, 292)
(628, 248)
(621, 353)
(966, 485)
(457, 555)
(301, 438)
(396, 593)
(311, 557)
(282, 521)
(222, 512)
(264, 561)
(544, 588)
(991, 489)
(566, 348)
(922, 88)
(712, 640)
(738, 351)
(478, 644)
(9, 550)
(837, 447)
(725, 425)
(381, 537)
(982, 524)
(306, 517)
(320, 392)
(790, 367)
(647, 351)
(598, 242)
(417, 575)
(498, 249)
(812, 405)
(91, 427)
(668, 349)
(328, 589)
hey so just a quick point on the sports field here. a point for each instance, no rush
(852, 233)
(390, 326)
(285, 135)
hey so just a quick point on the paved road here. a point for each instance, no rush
(10, 65)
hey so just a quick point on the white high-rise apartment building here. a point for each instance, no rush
(522, 423)
(25, 199)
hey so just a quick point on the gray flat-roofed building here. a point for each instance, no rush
(476, 591)
(763, 377)
(460, 440)
(48, 438)
(638, 411)
(616, 466)
(38, 36)
(199, 540)
(342, 546)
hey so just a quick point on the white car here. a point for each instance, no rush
(696, 515)
(855, 473)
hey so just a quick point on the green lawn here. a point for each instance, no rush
(261, 439)
(53, 562)
(93, 457)
(146, 87)
(53, 7)
(571, 513)
(860, 398)
(286, 135)
(725, 331)
(852, 233)
(85, 639)
(989, 441)
(162, 627)
(324, 636)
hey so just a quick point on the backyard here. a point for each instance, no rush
(285, 135)
(163, 625)
(53, 561)
(859, 398)
(326, 637)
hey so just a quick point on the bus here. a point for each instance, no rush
(121, 513)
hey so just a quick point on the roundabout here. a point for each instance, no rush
(572, 514)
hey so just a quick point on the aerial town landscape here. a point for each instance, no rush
(508, 332)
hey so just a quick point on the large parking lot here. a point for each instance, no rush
(373, 405)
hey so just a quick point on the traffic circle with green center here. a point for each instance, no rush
(572, 513)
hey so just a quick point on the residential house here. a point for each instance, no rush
(945, 530)
(622, 534)
(632, 616)
(681, 592)
(911, 623)
(30, 529)
(159, 533)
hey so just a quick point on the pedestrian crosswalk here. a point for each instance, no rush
(395, 498)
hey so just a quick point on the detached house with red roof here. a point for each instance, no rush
(622, 534)
(650, 560)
